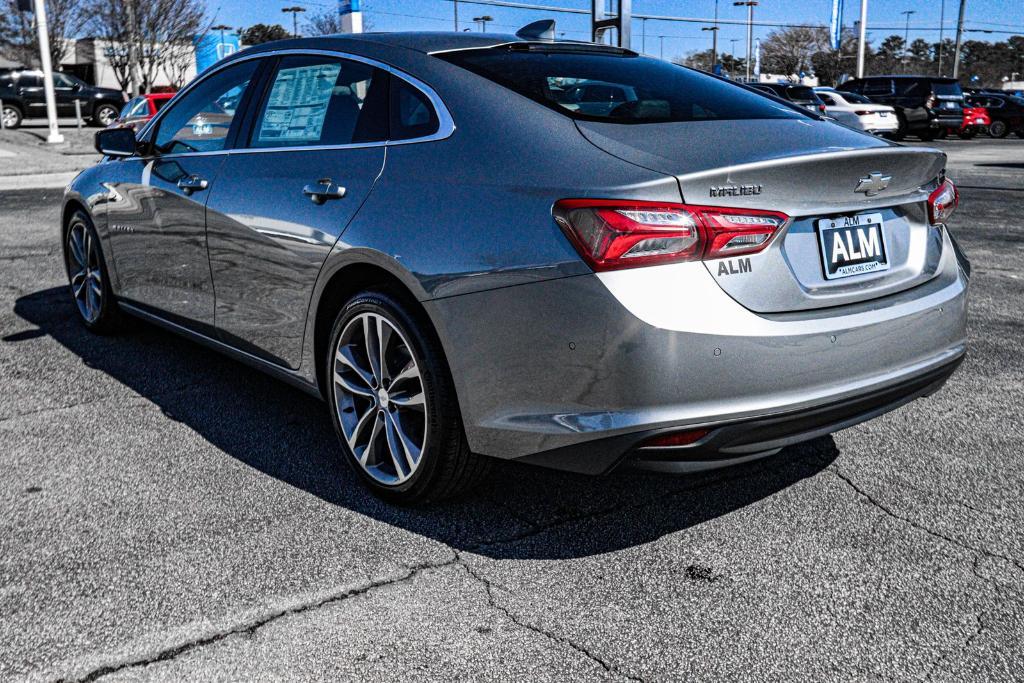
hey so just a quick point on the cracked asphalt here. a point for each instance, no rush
(168, 514)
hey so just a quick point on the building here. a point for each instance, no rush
(89, 60)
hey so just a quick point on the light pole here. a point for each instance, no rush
(294, 11)
(456, 3)
(862, 41)
(661, 50)
(906, 33)
(643, 35)
(959, 38)
(942, 20)
(54, 136)
(714, 45)
(750, 5)
(483, 22)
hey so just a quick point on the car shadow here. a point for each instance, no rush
(520, 512)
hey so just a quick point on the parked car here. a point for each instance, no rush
(925, 105)
(976, 119)
(798, 94)
(858, 111)
(23, 96)
(462, 264)
(139, 110)
(1005, 112)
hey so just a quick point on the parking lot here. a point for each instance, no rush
(170, 514)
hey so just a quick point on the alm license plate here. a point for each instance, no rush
(852, 245)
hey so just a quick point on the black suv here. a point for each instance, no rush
(797, 94)
(1005, 111)
(925, 105)
(21, 91)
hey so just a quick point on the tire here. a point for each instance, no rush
(998, 129)
(12, 116)
(88, 277)
(1020, 133)
(375, 427)
(927, 136)
(967, 134)
(103, 115)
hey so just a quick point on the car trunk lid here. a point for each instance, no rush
(810, 170)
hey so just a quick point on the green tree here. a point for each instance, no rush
(258, 34)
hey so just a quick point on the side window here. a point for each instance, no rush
(30, 81)
(907, 87)
(322, 101)
(881, 86)
(412, 114)
(200, 121)
(827, 99)
(62, 80)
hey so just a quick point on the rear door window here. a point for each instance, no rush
(614, 86)
(315, 100)
(879, 86)
(947, 89)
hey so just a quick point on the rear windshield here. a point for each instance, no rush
(801, 93)
(947, 89)
(614, 87)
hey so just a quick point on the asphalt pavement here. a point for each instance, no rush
(169, 514)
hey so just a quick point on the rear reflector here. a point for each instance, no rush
(613, 234)
(675, 439)
(943, 202)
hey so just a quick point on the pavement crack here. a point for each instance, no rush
(968, 642)
(917, 525)
(249, 628)
(550, 635)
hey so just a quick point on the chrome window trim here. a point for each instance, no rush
(445, 127)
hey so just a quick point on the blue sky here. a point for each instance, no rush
(680, 38)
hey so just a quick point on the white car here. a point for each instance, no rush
(858, 111)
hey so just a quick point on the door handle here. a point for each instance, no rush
(192, 183)
(323, 190)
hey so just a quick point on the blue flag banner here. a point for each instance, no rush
(214, 47)
(836, 27)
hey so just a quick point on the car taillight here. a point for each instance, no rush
(863, 112)
(611, 234)
(930, 102)
(942, 202)
(821, 108)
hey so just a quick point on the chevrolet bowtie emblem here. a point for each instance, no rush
(873, 183)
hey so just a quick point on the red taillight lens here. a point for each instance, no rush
(821, 108)
(612, 234)
(676, 439)
(943, 202)
(863, 112)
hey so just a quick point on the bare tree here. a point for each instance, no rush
(18, 39)
(329, 21)
(146, 36)
(788, 51)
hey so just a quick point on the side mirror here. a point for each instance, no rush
(116, 142)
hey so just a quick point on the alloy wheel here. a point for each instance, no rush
(10, 117)
(85, 272)
(106, 115)
(380, 398)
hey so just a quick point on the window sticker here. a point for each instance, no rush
(298, 104)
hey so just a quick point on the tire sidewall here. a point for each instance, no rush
(998, 129)
(436, 386)
(18, 116)
(96, 115)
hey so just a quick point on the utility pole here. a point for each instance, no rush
(483, 22)
(294, 11)
(714, 45)
(643, 35)
(942, 21)
(456, 3)
(134, 75)
(662, 49)
(959, 39)
(54, 137)
(906, 34)
(750, 5)
(862, 40)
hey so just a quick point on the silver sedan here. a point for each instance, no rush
(483, 246)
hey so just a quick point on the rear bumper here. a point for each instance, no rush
(575, 373)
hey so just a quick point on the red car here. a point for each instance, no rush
(141, 109)
(976, 120)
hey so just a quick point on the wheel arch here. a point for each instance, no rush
(347, 280)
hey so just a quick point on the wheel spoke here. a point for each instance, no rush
(403, 467)
(409, 400)
(344, 356)
(372, 346)
(371, 443)
(350, 386)
(409, 449)
(383, 337)
(366, 419)
(77, 251)
(410, 371)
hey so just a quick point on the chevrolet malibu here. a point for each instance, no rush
(477, 246)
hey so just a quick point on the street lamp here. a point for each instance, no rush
(750, 5)
(714, 45)
(483, 22)
(643, 35)
(661, 50)
(906, 33)
(294, 11)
